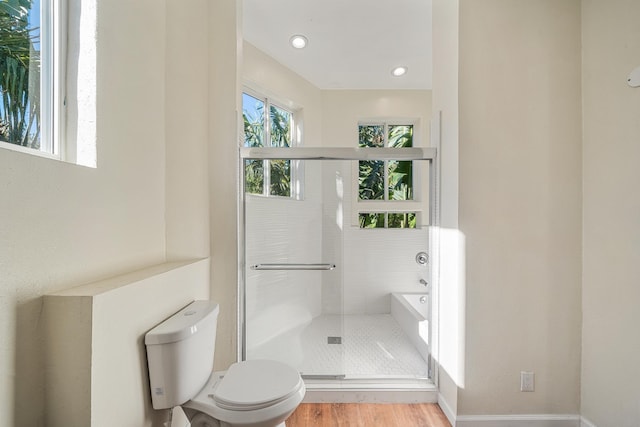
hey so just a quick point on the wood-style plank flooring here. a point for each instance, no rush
(368, 415)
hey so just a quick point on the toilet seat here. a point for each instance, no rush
(250, 393)
(256, 384)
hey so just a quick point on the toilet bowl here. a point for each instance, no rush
(255, 393)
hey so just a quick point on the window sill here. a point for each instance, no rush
(30, 151)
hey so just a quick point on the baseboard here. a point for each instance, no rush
(543, 420)
(535, 420)
(586, 423)
(442, 402)
(348, 391)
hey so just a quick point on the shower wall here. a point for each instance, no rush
(371, 263)
(388, 265)
(374, 262)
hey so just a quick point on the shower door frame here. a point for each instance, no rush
(344, 153)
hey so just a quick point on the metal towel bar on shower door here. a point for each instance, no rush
(293, 267)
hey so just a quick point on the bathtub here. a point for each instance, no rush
(412, 312)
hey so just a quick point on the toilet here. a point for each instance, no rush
(180, 352)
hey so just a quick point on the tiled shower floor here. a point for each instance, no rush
(372, 346)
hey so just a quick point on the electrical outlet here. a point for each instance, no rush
(527, 381)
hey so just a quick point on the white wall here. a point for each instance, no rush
(378, 263)
(611, 234)
(520, 204)
(63, 225)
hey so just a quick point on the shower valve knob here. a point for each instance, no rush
(422, 258)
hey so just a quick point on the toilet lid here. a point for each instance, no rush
(256, 384)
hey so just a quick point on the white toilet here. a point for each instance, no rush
(256, 393)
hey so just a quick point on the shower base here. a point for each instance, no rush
(354, 358)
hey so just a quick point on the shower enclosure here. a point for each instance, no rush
(319, 265)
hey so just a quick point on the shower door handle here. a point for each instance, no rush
(293, 267)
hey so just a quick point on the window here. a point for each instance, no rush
(388, 220)
(28, 76)
(267, 177)
(386, 187)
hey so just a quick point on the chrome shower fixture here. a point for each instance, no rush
(422, 258)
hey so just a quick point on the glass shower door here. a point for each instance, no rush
(321, 263)
(293, 287)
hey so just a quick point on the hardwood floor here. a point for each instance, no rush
(367, 415)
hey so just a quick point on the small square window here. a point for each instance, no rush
(371, 180)
(372, 220)
(371, 136)
(390, 179)
(254, 176)
(388, 220)
(390, 193)
(276, 129)
(401, 220)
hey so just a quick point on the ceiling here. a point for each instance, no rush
(353, 44)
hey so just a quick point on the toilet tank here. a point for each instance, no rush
(180, 354)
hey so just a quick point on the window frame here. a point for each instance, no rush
(419, 205)
(53, 51)
(296, 168)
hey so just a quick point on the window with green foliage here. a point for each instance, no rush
(387, 220)
(27, 40)
(385, 180)
(275, 129)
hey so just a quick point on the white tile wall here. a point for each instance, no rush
(374, 262)
(281, 230)
(379, 262)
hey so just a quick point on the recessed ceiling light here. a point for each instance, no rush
(399, 71)
(298, 41)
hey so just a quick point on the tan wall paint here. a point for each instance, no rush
(343, 109)
(449, 291)
(63, 225)
(67, 224)
(520, 203)
(224, 118)
(611, 267)
(96, 356)
(269, 78)
(187, 130)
